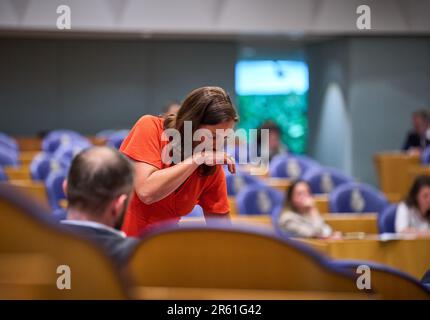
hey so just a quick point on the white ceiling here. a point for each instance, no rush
(292, 18)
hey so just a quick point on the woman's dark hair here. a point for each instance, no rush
(203, 106)
(290, 191)
(412, 197)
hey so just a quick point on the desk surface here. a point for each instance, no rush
(393, 173)
(344, 222)
(410, 253)
(172, 293)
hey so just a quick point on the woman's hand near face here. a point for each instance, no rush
(212, 158)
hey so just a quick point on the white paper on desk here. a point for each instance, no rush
(395, 236)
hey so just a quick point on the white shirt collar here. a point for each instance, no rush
(94, 224)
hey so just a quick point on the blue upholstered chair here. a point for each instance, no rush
(259, 199)
(325, 180)
(356, 197)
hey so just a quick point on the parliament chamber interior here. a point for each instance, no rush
(320, 190)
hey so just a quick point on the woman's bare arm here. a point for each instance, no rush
(152, 184)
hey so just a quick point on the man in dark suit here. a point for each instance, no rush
(98, 189)
(418, 138)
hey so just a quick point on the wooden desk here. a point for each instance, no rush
(172, 293)
(322, 202)
(97, 141)
(18, 173)
(393, 173)
(34, 189)
(415, 171)
(260, 171)
(409, 255)
(345, 222)
(349, 222)
(233, 207)
(63, 203)
(29, 143)
(281, 184)
(26, 157)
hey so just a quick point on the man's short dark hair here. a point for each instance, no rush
(96, 177)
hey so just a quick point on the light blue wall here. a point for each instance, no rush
(329, 114)
(389, 79)
(379, 82)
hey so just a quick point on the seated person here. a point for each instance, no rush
(98, 189)
(302, 218)
(413, 214)
(275, 145)
(418, 138)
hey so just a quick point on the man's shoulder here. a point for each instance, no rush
(115, 245)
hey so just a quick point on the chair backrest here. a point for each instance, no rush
(236, 182)
(8, 158)
(388, 282)
(54, 188)
(65, 153)
(42, 165)
(325, 180)
(8, 141)
(387, 219)
(33, 249)
(57, 138)
(115, 139)
(104, 134)
(259, 199)
(3, 176)
(231, 257)
(425, 156)
(288, 166)
(33, 189)
(197, 212)
(356, 197)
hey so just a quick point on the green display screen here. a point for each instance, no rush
(274, 91)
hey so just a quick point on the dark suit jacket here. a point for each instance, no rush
(117, 247)
(413, 140)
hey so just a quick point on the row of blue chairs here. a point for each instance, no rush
(293, 265)
(114, 138)
(258, 198)
(254, 196)
(349, 197)
(321, 180)
(52, 165)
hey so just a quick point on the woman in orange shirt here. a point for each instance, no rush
(165, 192)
